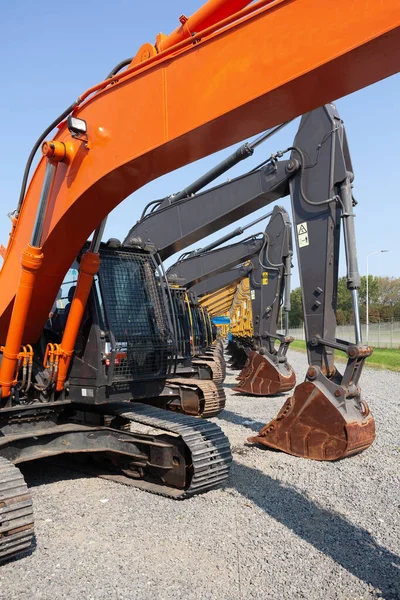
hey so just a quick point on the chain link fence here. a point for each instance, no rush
(384, 334)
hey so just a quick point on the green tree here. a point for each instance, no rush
(344, 302)
(341, 318)
(389, 291)
(296, 311)
(383, 295)
(373, 290)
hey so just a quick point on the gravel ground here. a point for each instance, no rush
(282, 528)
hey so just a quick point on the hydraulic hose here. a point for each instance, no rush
(50, 128)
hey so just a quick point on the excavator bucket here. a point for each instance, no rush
(262, 377)
(313, 424)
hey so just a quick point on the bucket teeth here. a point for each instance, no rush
(262, 377)
(311, 424)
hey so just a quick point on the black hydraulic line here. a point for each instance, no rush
(154, 204)
(119, 66)
(46, 132)
(265, 136)
(244, 151)
(35, 149)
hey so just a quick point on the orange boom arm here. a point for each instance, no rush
(267, 64)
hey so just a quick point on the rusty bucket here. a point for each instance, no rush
(262, 377)
(314, 424)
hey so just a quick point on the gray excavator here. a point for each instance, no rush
(265, 369)
(326, 418)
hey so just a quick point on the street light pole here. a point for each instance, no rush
(367, 296)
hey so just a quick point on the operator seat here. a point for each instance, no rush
(67, 308)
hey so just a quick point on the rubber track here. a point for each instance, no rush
(213, 393)
(16, 512)
(208, 445)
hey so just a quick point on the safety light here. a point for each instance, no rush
(77, 126)
(119, 358)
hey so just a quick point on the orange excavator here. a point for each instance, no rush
(229, 71)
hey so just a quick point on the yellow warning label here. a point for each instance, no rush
(302, 234)
(265, 278)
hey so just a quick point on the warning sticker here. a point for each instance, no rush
(302, 234)
(252, 294)
(265, 278)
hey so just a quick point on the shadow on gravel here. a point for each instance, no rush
(49, 470)
(347, 544)
(232, 417)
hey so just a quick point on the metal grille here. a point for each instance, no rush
(136, 316)
(197, 329)
(182, 321)
(207, 325)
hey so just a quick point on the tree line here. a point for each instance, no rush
(384, 301)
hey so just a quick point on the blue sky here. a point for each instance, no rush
(52, 52)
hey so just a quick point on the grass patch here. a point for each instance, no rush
(382, 358)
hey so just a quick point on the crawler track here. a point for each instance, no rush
(16, 512)
(210, 454)
(213, 393)
(216, 365)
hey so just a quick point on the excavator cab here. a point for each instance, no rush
(125, 347)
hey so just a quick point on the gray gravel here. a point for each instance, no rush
(281, 528)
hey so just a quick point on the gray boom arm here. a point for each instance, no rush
(267, 279)
(195, 269)
(221, 280)
(319, 177)
(175, 226)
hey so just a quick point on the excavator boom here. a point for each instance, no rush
(180, 105)
(195, 269)
(221, 281)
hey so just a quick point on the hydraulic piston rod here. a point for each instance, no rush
(31, 261)
(243, 152)
(90, 263)
(229, 236)
(210, 13)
